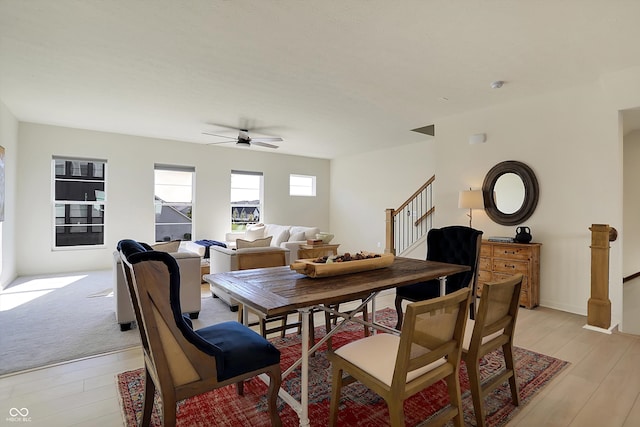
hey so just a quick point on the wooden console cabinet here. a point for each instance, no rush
(500, 260)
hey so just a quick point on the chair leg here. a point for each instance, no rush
(168, 411)
(453, 385)
(507, 349)
(275, 380)
(473, 370)
(336, 389)
(396, 413)
(240, 388)
(399, 312)
(149, 394)
(327, 325)
(240, 309)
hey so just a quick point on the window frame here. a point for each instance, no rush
(191, 205)
(99, 204)
(312, 187)
(240, 225)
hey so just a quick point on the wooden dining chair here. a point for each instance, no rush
(269, 325)
(455, 244)
(181, 362)
(397, 367)
(492, 329)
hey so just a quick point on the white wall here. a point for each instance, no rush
(8, 140)
(130, 211)
(570, 139)
(363, 186)
(631, 248)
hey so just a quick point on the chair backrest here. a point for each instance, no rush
(457, 245)
(248, 259)
(432, 329)
(496, 316)
(174, 354)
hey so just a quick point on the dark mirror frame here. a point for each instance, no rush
(530, 192)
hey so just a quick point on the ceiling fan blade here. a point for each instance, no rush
(218, 135)
(263, 144)
(266, 139)
(221, 142)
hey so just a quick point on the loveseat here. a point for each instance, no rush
(190, 282)
(284, 236)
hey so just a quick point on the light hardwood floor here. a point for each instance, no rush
(600, 388)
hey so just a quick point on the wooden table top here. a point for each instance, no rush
(278, 290)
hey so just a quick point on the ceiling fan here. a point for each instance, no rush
(244, 140)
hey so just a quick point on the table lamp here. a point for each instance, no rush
(470, 199)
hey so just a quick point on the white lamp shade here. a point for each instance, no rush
(471, 199)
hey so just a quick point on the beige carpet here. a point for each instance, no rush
(56, 318)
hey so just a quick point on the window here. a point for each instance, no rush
(173, 198)
(79, 200)
(302, 185)
(246, 199)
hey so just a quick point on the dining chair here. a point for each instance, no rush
(248, 261)
(397, 367)
(492, 329)
(181, 362)
(456, 245)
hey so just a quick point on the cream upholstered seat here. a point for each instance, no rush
(397, 367)
(179, 361)
(492, 329)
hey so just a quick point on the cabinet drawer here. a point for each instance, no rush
(510, 266)
(511, 252)
(485, 250)
(484, 276)
(484, 263)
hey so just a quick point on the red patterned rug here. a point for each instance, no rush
(359, 406)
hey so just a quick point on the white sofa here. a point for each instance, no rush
(190, 287)
(284, 236)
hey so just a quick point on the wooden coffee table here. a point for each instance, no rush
(316, 251)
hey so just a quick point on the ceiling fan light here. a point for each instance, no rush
(243, 143)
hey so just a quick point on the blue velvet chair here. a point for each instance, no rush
(182, 362)
(454, 244)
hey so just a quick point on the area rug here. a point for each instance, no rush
(359, 406)
(52, 319)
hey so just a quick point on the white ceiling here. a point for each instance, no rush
(331, 77)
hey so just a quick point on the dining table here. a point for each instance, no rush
(278, 291)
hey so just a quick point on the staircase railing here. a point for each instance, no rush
(412, 220)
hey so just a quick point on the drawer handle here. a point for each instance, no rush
(509, 266)
(510, 252)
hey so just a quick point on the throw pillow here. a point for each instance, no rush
(283, 236)
(297, 237)
(171, 246)
(258, 243)
(254, 231)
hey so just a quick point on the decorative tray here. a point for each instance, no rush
(311, 268)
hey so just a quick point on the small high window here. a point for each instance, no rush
(302, 185)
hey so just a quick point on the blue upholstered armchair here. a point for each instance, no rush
(182, 362)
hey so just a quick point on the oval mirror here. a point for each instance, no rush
(510, 192)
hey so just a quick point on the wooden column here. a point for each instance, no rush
(389, 233)
(599, 305)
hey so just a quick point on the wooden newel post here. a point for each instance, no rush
(599, 305)
(389, 246)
